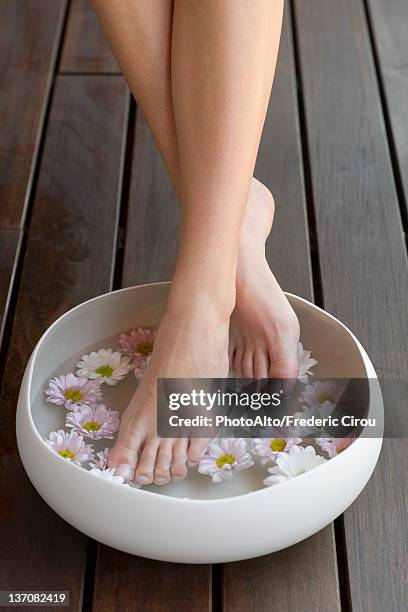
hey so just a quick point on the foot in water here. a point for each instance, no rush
(261, 338)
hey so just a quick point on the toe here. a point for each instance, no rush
(162, 468)
(261, 363)
(123, 456)
(248, 364)
(232, 347)
(283, 364)
(196, 450)
(285, 368)
(237, 363)
(178, 465)
(147, 461)
(283, 360)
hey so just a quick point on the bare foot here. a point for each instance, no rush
(264, 331)
(188, 345)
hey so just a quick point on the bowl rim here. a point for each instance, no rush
(266, 490)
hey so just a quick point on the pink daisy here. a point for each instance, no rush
(102, 462)
(70, 446)
(94, 422)
(269, 448)
(72, 391)
(138, 344)
(223, 457)
(334, 446)
(317, 393)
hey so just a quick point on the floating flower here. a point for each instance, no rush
(334, 446)
(317, 393)
(139, 366)
(70, 446)
(305, 363)
(315, 418)
(71, 391)
(108, 474)
(289, 465)
(223, 457)
(138, 344)
(269, 448)
(94, 422)
(105, 365)
(102, 462)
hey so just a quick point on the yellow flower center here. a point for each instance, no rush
(221, 461)
(92, 426)
(324, 397)
(340, 449)
(278, 445)
(67, 454)
(104, 370)
(73, 394)
(145, 348)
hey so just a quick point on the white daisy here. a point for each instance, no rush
(305, 363)
(105, 365)
(108, 474)
(315, 414)
(294, 463)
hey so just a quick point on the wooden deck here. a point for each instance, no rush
(85, 207)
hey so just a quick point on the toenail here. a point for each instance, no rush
(192, 463)
(124, 470)
(177, 478)
(161, 480)
(142, 478)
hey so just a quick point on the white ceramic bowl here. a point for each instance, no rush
(192, 521)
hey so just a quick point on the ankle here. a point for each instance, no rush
(251, 260)
(202, 301)
(259, 215)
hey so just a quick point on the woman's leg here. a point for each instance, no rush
(264, 328)
(212, 113)
(140, 34)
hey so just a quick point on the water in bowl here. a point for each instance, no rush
(50, 417)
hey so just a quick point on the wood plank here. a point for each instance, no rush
(10, 241)
(68, 259)
(153, 215)
(389, 20)
(133, 584)
(283, 580)
(279, 166)
(363, 267)
(85, 48)
(29, 40)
